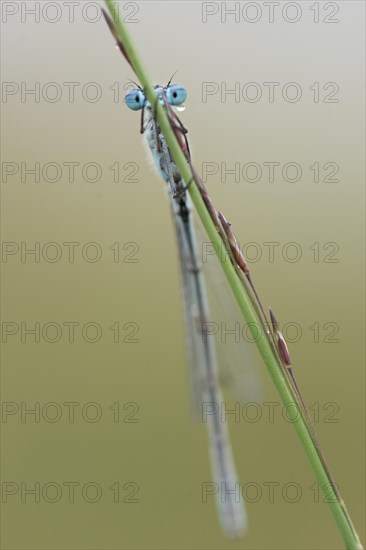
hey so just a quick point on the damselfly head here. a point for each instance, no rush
(174, 94)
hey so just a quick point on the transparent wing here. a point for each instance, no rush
(205, 386)
(204, 375)
(239, 361)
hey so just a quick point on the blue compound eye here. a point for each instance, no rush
(176, 94)
(135, 99)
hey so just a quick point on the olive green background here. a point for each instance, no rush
(165, 453)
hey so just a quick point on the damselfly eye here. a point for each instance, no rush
(135, 99)
(176, 94)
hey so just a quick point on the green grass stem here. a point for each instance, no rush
(288, 396)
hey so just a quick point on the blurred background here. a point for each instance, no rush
(92, 331)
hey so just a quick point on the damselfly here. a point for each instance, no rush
(202, 351)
